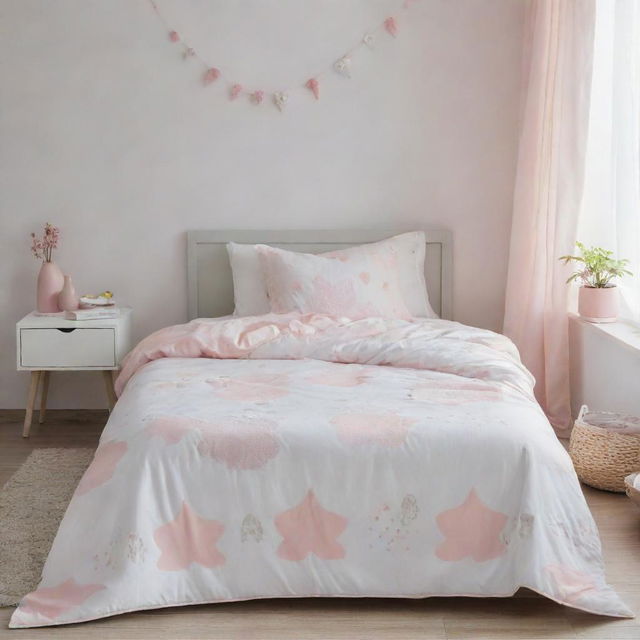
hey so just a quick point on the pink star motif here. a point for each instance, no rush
(187, 539)
(571, 585)
(102, 467)
(471, 529)
(309, 528)
(172, 428)
(50, 602)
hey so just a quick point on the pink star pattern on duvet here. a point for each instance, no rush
(571, 585)
(471, 530)
(188, 539)
(173, 428)
(50, 602)
(310, 528)
(102, 467)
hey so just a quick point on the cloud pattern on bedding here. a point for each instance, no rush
(309, 455)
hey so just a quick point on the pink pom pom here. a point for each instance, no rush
(173, 36)
(257, 96)
(314, 86)
(391, 26)
(211, 75)
(236, 90)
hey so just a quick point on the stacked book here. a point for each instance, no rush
(93, 313)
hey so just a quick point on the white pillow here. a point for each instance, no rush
(250, 291)
(365, 285)
(249, 287)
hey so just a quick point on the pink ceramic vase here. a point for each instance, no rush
(67, 298)
(50, 283)
(599, 304)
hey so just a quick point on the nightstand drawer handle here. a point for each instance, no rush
(66, 329)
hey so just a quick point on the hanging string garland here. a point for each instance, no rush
(341, 66)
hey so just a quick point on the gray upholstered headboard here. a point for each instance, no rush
(210, 285)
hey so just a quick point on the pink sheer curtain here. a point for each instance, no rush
(548, 192)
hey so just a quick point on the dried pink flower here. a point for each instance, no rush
(42, 248)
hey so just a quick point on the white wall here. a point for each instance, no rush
(605, 366)
(105, 131)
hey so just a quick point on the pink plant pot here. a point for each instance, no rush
(599, 304)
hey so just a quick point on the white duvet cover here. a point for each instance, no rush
(292, 456)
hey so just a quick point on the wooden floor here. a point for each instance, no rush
(523, 616)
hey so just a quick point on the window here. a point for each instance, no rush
(610, 212)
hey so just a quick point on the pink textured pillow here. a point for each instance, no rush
(366, 285)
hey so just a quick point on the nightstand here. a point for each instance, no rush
(51, 343)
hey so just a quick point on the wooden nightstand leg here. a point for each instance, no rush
(31, 400)
(111, 393)
(43, 396)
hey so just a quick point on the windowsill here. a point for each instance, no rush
(625, 332)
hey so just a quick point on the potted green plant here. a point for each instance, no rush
(598, 299)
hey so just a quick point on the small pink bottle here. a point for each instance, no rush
(67, 298)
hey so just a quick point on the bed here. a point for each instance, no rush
(309, 454)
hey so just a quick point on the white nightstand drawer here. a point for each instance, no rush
(49, 348)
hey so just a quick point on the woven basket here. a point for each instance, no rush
(603, 456)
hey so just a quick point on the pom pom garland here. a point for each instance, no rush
(369, 39)
(391, 26)
(280, 98)
(314, 86)
(341, 66)
(210, 75)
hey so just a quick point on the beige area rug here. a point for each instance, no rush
(32, 504)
